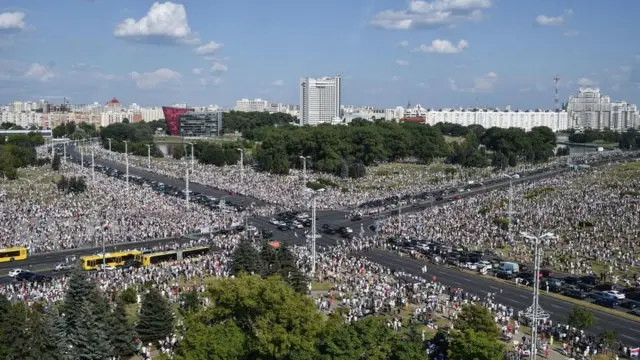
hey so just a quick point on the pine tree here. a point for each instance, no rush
(60, 334)
(90, 342)
(55, 163)
(5, 310)
(42, 341)
(121, 335)
(102, 317)
(246, 258)
(75, 299)
(15, 339)
(156, 317)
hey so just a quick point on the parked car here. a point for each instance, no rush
(15, 272)
(576, 294)
(607, 302)
(505, 275)
(616, 294)
(63, 267)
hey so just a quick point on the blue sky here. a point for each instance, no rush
(389, 52)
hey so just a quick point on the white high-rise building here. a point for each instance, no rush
(320, 100)
(590, 109)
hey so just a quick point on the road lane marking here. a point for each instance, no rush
(494, 288)
(628, 337)
(522, 296)
(556, 306)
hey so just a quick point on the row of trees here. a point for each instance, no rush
(244, 122)
(17, 151)
(591, 135)
(76, 132)
(370, 142)
(138, 136)
(72, 185)
(213, 153)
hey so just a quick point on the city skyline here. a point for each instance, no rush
(447, 53)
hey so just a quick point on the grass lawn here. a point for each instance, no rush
(30, 180)
(321, 286)
(450, 139)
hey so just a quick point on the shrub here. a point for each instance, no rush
(129, 296)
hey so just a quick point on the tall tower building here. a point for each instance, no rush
(320, 100)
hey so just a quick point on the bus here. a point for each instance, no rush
(94, 262)
(172, 255)
(13, 254)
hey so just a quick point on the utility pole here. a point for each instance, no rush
(148, 156)
(93, 167)
(64, 150)
(313, 238)
(126, 156)
(81, 156)
(192, 158)
(104, 255)
(535, 313)
(510, 209)
(109, 146)
(304, 166)
(241, 165)
(186, 188)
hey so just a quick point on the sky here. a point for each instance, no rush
(443, 53)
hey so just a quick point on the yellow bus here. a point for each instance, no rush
(172, 255)
(13, 254)
(94, 262)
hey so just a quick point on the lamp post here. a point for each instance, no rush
(81, 156)
(148, 155)
(314, 234)
(186, 188)
(241, 165)
(93, 167)
(64, 151)
(535, 313)
(510, 208)
(109, 146)
(304, 166)
(192, 158)
(126, 156)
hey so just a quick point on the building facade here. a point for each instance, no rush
(247, 105)
(320, 100)
(200, 124)
(172, 115)
(488, 118)
(589, 109)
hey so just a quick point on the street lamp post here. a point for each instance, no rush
(93, 167)
(304, 166)
(535, 313)
(241, 164)
(109, 146)
(192, 158)
(510, 208)
(81, 156)
(126, 156)
(186, 188)
(64, 151)
(148, 155)
(314, 234)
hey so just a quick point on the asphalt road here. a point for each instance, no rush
(520, 299)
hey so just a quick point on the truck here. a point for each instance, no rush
(509, 267)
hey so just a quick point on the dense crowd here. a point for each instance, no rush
(36, 215)
(593, 212)
(291, 191)
(358, 285)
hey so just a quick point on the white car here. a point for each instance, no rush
(484, 265)
(251, 228)
(471, 266)
(273, 222)
(615, 294)
(16, 272)
(298, 225)
(106, 267)
(63, 267)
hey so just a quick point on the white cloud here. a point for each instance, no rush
(442, 47)
(403, 43)
(422, 85)
(277, 83)
(402, 62)
(197, 71)
(585, 81)
(39, 72)
(210, 81)
(164, 22)
(571, 33)
(12, 21)
(208, 49)
(569, 12)
(434, 14)
(219, 67)
(155, 79)
(545, 20)
(395, 78)
(484, 83)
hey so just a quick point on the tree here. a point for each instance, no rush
(156, 317)
(467, 344)
(246, 258)
(190, 301)
(275, 320)
(477, 318)
(178, 152)
(55, 163)
(42, 339)
(15, 344)
(341, 341)
(91, 342)
(581, 318)
(219, 341)
(121, 333)
(378, 340)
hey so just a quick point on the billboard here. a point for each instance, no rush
(172, 115)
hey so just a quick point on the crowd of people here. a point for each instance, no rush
(291, 192)
(593, 214)
(359, 285)
(37, 215)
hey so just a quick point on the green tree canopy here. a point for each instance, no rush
(581, 318)
(156, 317)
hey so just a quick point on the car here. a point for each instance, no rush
(630, 304)
(24, 276)
(607, 302)
(297, 225)
(439, 198)
(273, 221)
(470, 266)
(458, 197)
(484, 265)
(106, 267)
(615, 294)
(15, 272)
(505, 275)
(63, 267)
(356, 218)
(267, 234)
(283, 227)
(636, 311)
(575, 294)
(326, 226)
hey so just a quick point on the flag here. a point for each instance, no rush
(635, 352)
(106, 226)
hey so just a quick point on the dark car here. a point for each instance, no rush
(505, 275)
(576, 294)
(630, 304)
(607, 302)
(571, 280)
(546, 273)
(604, 287)
(439, 198)
(267, 234)
(283, 228)
(356, 218)
(591, 280)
